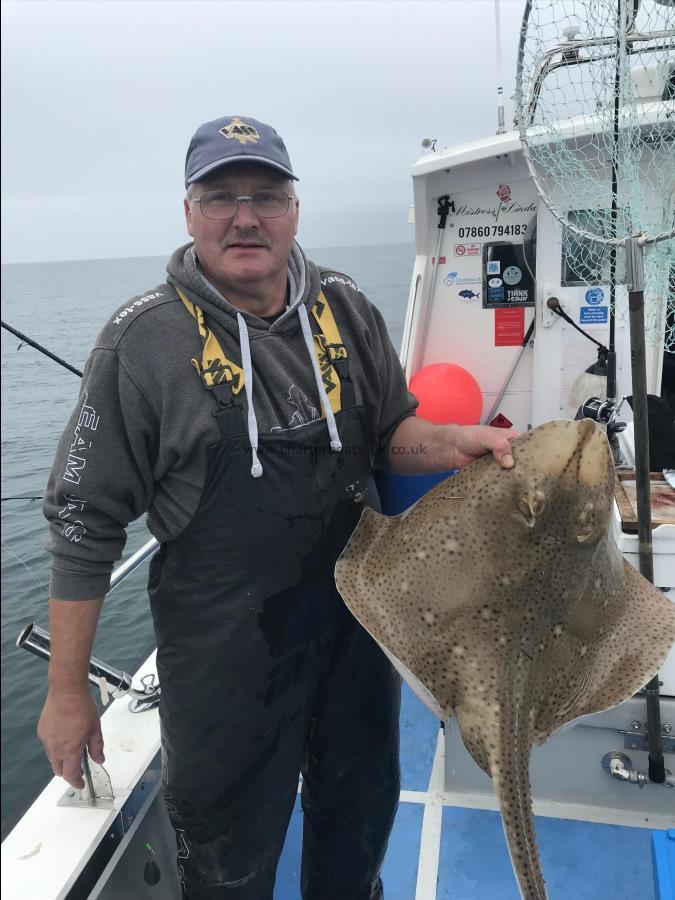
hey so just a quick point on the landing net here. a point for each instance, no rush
(595, 100)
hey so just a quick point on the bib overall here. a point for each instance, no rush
(265, 674)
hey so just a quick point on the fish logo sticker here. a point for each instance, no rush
(240, 131)
(468, 296)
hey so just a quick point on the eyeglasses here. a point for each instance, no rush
(225, 204)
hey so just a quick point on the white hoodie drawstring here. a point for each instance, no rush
(335, 442)
(256, 466)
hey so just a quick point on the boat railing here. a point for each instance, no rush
(106, 677)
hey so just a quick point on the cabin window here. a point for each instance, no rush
(585, 261)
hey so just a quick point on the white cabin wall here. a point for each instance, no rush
(445, 327)
(561, 353)
(440, 328)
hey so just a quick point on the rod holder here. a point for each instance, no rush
(38, 642)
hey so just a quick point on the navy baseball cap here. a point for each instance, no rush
(234, 139)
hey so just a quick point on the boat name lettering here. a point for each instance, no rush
(123, 313)
(329, 279)
(494, 211)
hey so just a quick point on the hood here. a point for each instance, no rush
(304, 282)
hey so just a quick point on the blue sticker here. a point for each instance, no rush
(594, 296)
(496, 294)
(598, 315)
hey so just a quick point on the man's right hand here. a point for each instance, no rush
(70, 722)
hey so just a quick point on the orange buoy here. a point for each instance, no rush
(447, 394)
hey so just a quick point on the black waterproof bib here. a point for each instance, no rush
(249, 627)
(250, 540)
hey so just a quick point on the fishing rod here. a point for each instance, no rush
(37, 640)
(31, 343)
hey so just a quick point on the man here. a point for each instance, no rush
(243, 404)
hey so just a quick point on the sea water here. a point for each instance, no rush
(63, 306)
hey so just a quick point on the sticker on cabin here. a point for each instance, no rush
(454, 278)
(504, 192)
(441, 260)
(594, 315)
(509, 327)
(517, 296)
(467, 249)
(594, 296)
(500, 421)
(468, 296)
(514, 286)
(512, 274)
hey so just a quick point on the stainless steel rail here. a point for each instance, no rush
(130, 565)
(38, 642)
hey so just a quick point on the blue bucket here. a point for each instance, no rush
(398, 492)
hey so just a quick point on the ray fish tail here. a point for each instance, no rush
(510, 770)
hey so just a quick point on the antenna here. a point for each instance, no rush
(501, 127)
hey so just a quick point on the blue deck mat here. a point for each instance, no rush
(581, 860)
(400, 867)
(419, 734)
(663, 854)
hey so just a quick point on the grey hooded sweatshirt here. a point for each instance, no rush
(137, 440)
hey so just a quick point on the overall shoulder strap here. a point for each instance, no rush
(214, 367)
(332, 356)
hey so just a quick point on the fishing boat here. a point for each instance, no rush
(495, 299)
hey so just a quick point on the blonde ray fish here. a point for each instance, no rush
(503, 600)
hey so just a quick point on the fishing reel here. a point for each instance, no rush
(604, 412)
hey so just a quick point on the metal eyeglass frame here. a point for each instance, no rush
(249, 200)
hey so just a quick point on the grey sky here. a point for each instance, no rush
(100, 99)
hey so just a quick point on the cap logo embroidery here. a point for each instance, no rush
(240, 131)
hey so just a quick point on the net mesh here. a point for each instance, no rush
(595, 101)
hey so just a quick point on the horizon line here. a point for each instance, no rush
(40, 262)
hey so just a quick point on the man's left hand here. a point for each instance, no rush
(473, 441)
(420, 447)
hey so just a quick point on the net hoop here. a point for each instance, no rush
(526, 101)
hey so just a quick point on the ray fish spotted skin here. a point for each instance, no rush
(502, 599)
